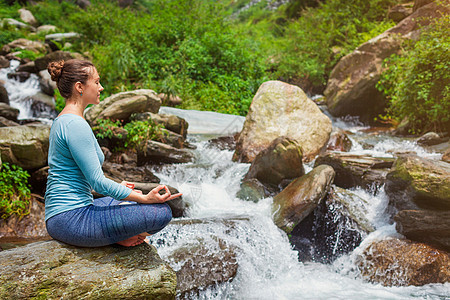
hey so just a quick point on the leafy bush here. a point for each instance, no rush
(15, 191)
(104, 129)
(139, 131)
(417, 82)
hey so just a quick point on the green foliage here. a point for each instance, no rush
(417, 82)
(139, 131)
(104, 128)
(60, 102)
(24, 53)
(15, 191)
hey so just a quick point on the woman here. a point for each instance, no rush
(75, 158)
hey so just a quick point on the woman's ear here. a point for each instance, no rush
(78, 87)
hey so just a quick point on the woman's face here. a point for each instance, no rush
(92, 89)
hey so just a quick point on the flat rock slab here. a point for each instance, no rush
(53, 270)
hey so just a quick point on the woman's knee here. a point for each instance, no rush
(166, 213)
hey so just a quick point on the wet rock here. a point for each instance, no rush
(278, 103)
(225, 142)
(339, 141)
(400, 11)
(153, 152)
(351, 88)
(19, 76)
(252, 190)
(8, 112)
(430, 139)
(356, 170)
(426, 226)
(41, 63)
(301, 197)
(55, 270)
(25, 146)
(397, 262)
(4, 98)
(4, 62)
(416, 182)
(151, 103)
(4, 122)
(170, 122)
(28, 17)
(29, 67)
(281, 160)
(335, 227)
(203, 265)
(446, 156)
(31, 226)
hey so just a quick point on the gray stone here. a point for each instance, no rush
(46, 28)
(24, 44)
(28, 17)
(8, 112)
(28, 67)
(4, 63)
(155, 152)
(339, 141)
(59, 37)
(48, 86)
(4, 98)
(301, 197)
(55, 270)
(280, 109)
(42, 62)
(430, 139)
(25, 146)
(17, 24)
(400, 11)
(122, 109)
(4, 122)
(170, 122)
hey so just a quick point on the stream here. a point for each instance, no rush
(268, 267)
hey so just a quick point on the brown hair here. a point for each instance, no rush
(67, 73)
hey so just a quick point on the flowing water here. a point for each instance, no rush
(268, 267)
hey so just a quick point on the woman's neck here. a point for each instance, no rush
(73, 107)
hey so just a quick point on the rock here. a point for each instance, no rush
(28, 17)
(155, 152)
(339, 141)
(252, 190)
(351, 88)
(356, 170)
(419, 3)
(83, 3)
(426, 226)
(397, 262)
(224, 142)
(446, 156)
(56, 39)
(125, 3)
(25, 146)
(170, 101)
(4, 98)
(281, 160)
(203, 265)
(24, 44)
(153, 103)
(17, 24)
(416, 182)
(400, 11)
(44, 99)
(48, 86)
(31, 226)
(8, 112)
(278, 103)
(128, 172)
(4, 122)
(52, 269)
(335, 227)
(301, 197)
(430, 139)
(4, 63)
(116, 138)
(122, 109)
(41, 63)
(46, 28)
(27, 67)
(19, 76)
(170, 122)
(38, 181)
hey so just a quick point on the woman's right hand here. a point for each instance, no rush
(154, 195)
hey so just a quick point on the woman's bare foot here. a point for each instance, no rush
(133, 241)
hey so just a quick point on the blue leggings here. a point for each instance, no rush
(106, 222)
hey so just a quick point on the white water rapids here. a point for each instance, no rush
(268, 267)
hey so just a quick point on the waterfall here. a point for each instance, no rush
(268, 266)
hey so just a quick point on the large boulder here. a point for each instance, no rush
(397, 262)
(41, 63)
(31, 226)
(280, 161)
(55, 270)
(28, 17)
(25, 146)
(351, 88)
(429, 227)
(152, 103)
(416, 182)
(301, 197)
(354, 170)
(280, 109)
(152, 152)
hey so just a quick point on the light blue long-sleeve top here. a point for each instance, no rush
(75, 160)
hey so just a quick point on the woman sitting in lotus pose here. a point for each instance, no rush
(75, 159)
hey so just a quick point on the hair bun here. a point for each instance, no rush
(55, 69)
